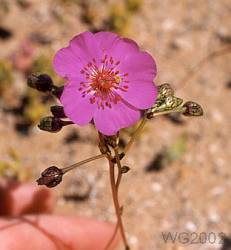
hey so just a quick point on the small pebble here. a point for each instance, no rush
(168, 24)
(191, 226)
(133, 240)
(156, 187)
(217, 191)
(213, 217)
(217, 116)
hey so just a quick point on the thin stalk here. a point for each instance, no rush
(117, 156)
(113, 236)
(142, 124)
(117, 222)
(135, 134)
(66, 169)
(119, 177)
(65, 123)
(116, 202)
(177, 110)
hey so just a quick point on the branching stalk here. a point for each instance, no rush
(116, 202)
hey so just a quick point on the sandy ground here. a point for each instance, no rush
(192, 194)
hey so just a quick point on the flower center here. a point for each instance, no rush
(103, 82)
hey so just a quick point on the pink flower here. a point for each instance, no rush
(109, 80)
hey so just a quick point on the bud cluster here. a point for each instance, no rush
(44, 83)
(167, 103)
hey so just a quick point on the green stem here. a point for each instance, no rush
(177, 110)
(135, 134)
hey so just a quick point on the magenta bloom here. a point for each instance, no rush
(109, 80)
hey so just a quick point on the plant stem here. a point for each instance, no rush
(112, 237)
(119, 177)
(66, 169)
(142, 124)
(135, 134)
(115, 200)
(177, 110)
(117, 156)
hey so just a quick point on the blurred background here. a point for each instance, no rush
(180, 167)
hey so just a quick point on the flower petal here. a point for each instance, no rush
(66, 63)
(110, 121)
(77, 108)
(70, 60)
(85, 47)
(141, 95)
(139, 66)
(122, 48)
(106, 39)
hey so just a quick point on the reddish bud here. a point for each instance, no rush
(51, 177)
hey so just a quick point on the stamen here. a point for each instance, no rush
(102, 81)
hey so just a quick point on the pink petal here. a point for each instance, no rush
(85, 47)
(106, 39)
(114, 45)
(139, 66)
(70, 60)
(110, 121)
(77, 108)
(122, 48)
(140, 94)
(66, 64)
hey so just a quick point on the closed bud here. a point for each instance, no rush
(121, 156)
(165, 90)
(104, 149)
(50, 124)
(125, 169)
(41, 82)
(51, 177)
(58, 111)
(192, 109)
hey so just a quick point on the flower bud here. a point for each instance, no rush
(165, 90)
(41, 82)
(51, 177)
(121, 156)
(125, 169)
(192, 109)
(58, 111)
(50, 124)
(104, 149)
